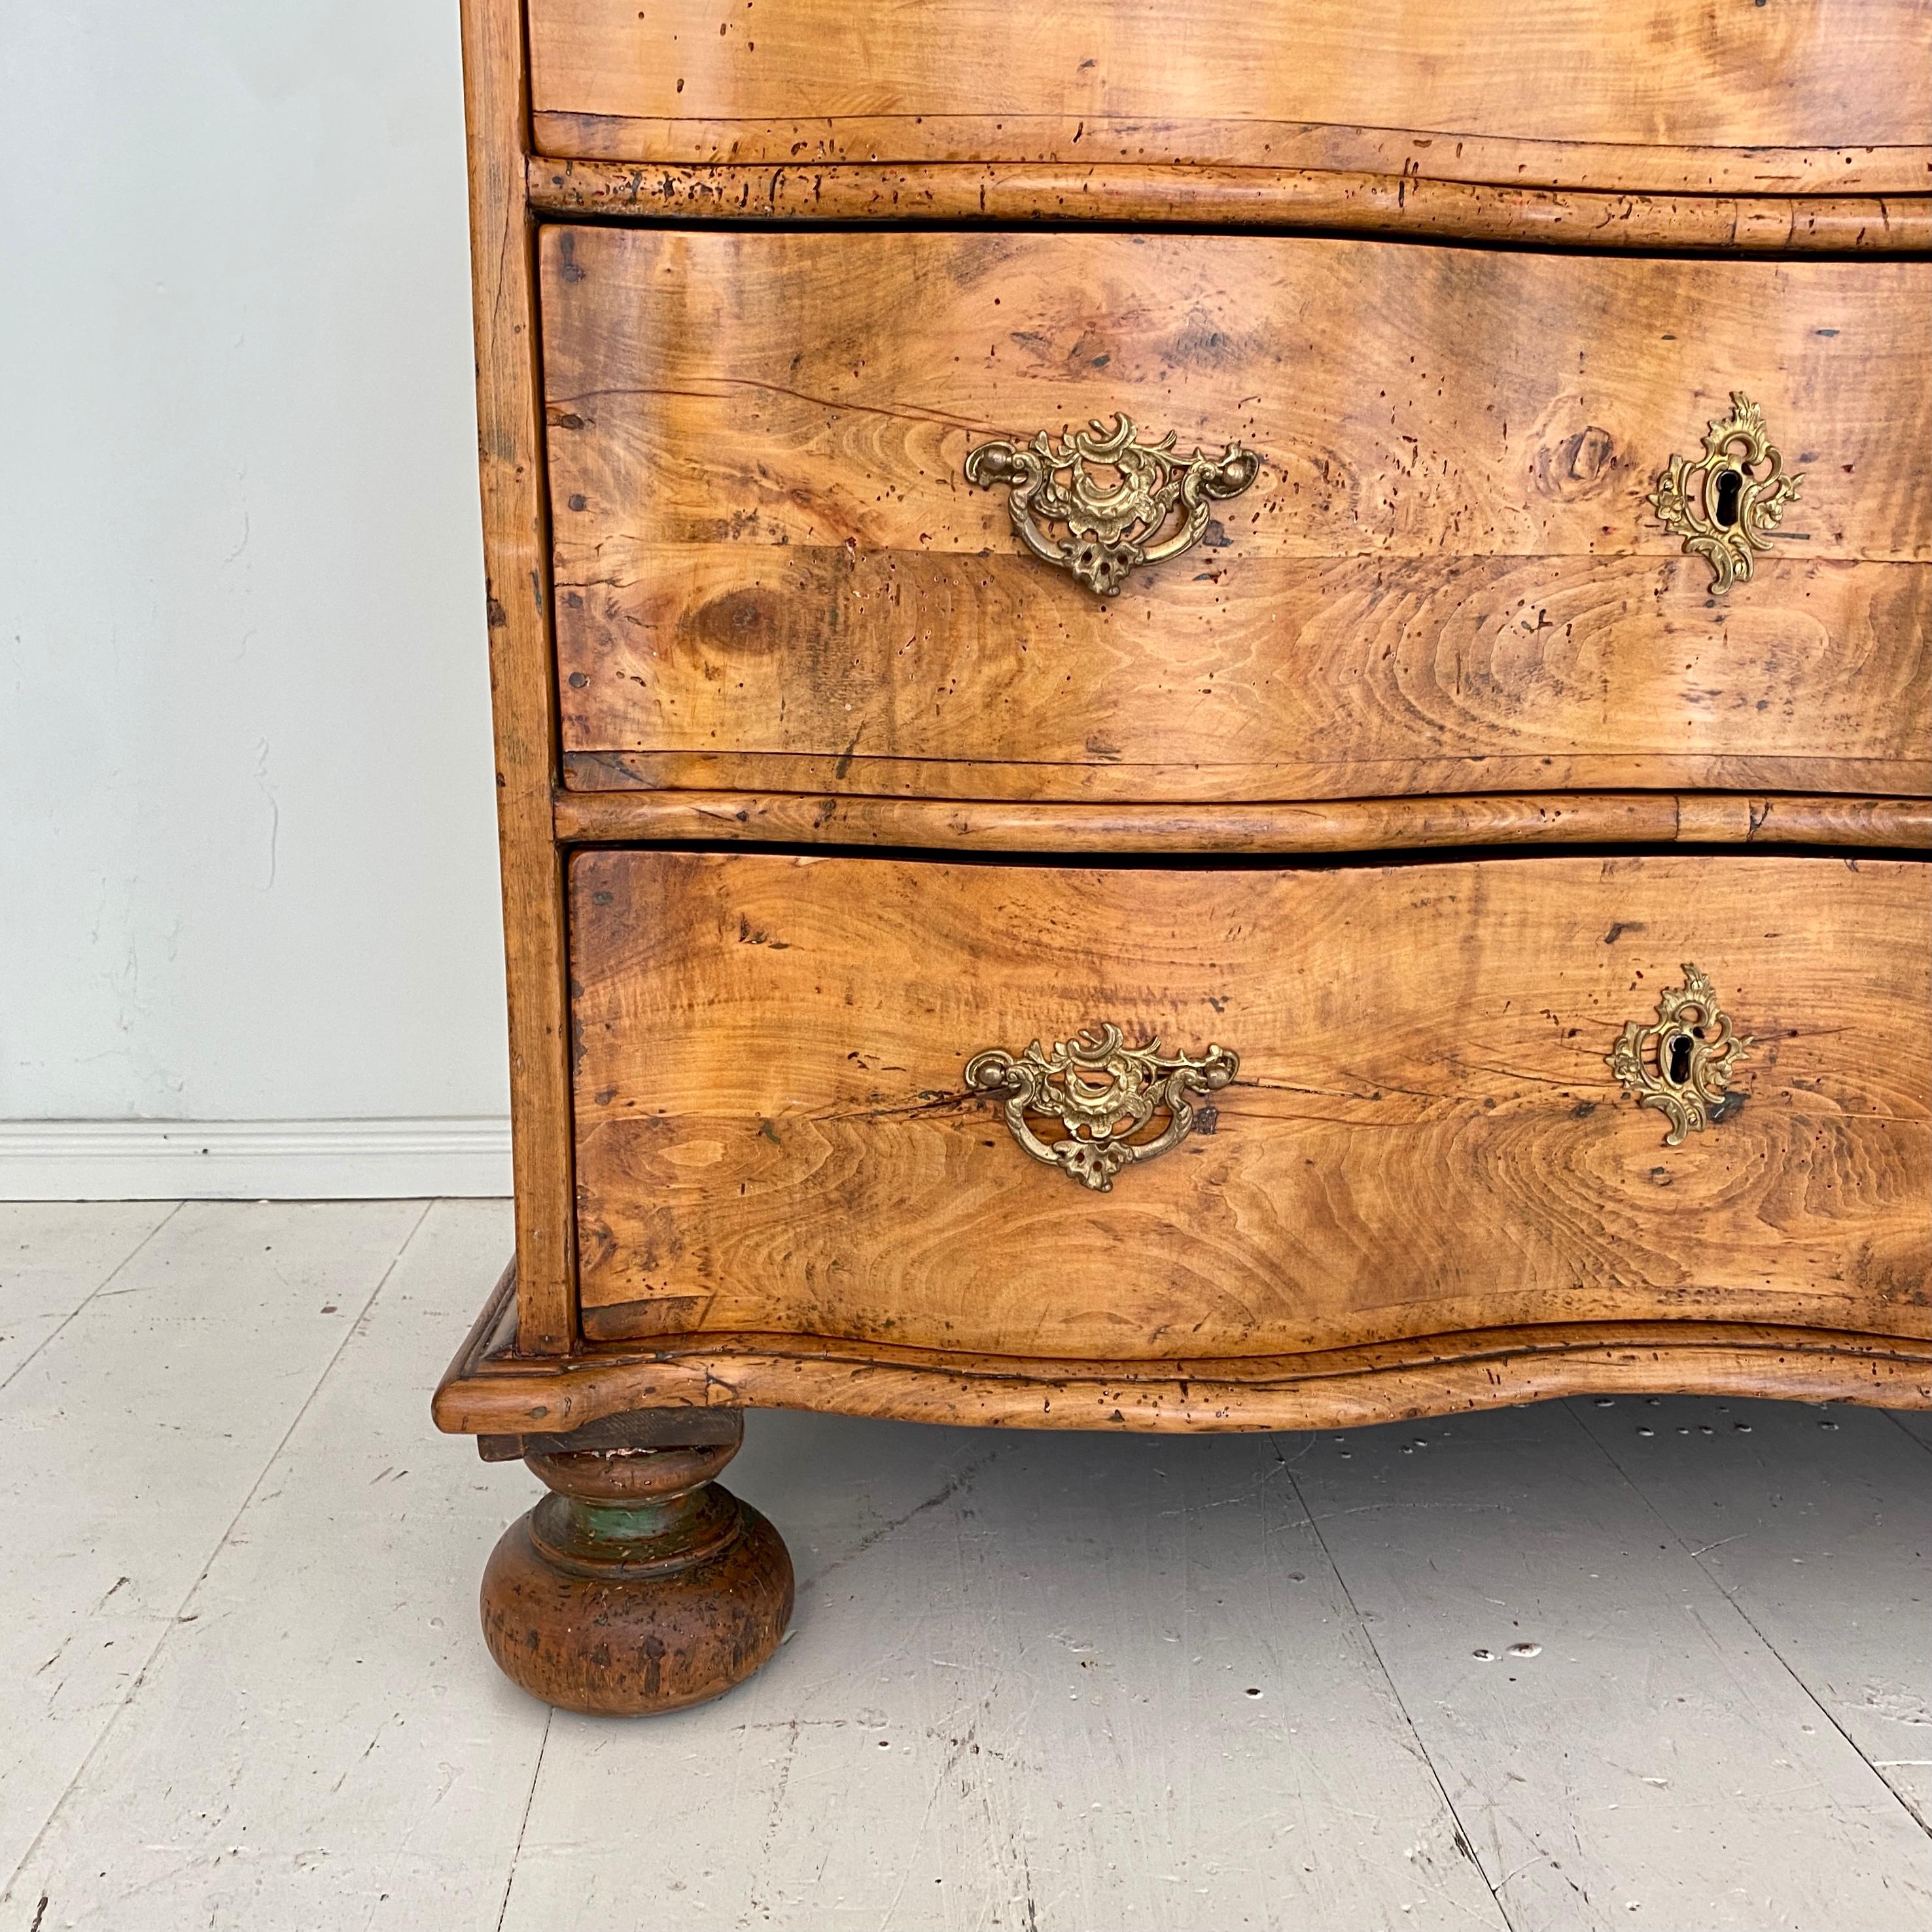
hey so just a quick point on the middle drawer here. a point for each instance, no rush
(774, 573)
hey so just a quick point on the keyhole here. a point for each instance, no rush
(1730, 484)
(1677, 1069)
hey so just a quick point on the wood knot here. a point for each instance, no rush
(1578, 466)
(738, 620)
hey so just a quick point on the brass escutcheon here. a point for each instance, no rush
(1682, 1063)
(1113, 521)
(1102, 1092)
(1722, 511)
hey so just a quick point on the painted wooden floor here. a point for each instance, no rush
(1663, 1664)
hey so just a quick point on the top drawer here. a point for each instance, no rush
(773, 571)
(1802, 96)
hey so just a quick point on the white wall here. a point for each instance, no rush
(248, 871)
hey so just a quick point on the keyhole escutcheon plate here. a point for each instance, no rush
(1726, 504)
(1681, 1062)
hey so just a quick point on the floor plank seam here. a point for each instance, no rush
(100, 1287)
(1870, 1764)
(523, 1824)
(1910, 1435)
(1464, 1842)
(947, 1490)
(1751, 1623)
(174, 1622)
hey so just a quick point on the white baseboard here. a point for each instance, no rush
(253, 1160)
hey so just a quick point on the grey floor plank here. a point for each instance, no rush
(54, 1255)
(134, 1436)
(1622, 1748)
(1037, 1680)
(1817, 1524)
(321, 1741)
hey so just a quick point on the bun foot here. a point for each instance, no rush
(638, 1586)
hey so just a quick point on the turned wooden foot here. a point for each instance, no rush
(639, 1585)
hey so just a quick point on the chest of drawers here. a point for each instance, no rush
(1208, 717)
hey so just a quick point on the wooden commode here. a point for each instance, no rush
(1209, 716)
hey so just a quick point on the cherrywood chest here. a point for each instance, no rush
(1209, 716)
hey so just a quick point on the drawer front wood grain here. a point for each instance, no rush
(775, 1134)
(1672, 95)
(772, 573)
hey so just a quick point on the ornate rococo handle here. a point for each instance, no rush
(1682, 1063)
(1103, 1092)
(1114, 526)
(1722, 511)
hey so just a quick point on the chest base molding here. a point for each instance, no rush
(490, 1390)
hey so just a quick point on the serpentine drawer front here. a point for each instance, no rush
(1830, 95)
(796, 1111)
(1455, 528)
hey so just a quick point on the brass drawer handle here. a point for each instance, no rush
(1112, 520)
(1721, 511)
(1682, 1063)
(1101, 1115)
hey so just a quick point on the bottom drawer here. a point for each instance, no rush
(1402, 1119)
